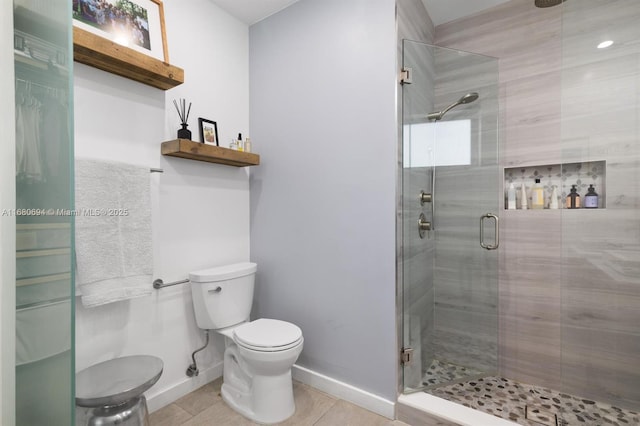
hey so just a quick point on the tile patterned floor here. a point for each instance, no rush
(534, 405)
(204, 406)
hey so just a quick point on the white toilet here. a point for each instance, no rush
(259, 354)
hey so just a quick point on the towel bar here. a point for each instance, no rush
(158, 284)
(155, 170)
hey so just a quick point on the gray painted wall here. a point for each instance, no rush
(323, 119)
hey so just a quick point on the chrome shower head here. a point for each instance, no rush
(466, 99)
(548, 3)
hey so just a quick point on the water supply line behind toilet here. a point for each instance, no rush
(193, 368)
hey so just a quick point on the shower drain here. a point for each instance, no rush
(538, 415)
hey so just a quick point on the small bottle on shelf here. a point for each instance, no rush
(239, 141)
(511, 197)
(553, 201)
(537, 195)
(523, 197)
(233, 145)
(573, 199)
(591, 198)
(247, 145)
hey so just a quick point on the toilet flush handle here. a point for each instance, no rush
(216, 290)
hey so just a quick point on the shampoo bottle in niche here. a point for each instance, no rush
(523, 197)
(591, 198)
(573, 199)
(511, 197)
(553, 201)
(537, 195)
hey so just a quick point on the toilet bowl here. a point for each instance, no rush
(258, 354)
(257, 369)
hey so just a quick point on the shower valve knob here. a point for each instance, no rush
(425, 198)
(423, 225)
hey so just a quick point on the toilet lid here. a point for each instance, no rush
(268, 335)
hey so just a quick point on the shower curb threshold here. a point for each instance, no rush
(451, 411)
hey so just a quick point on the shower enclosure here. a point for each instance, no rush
(566, 331)
(450, 204)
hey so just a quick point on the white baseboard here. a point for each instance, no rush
(336, 388)
(345, 391)
(164, 397)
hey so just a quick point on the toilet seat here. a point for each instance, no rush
(268, 335)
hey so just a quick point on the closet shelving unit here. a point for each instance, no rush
(43, 240)
(185, 148)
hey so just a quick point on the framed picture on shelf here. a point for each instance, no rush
(137, 24)
(208, 131)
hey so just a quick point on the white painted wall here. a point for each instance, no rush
(200, 210)
(7, 223)
(323, 117)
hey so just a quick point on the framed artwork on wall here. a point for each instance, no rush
(208, 131)
(136, 24)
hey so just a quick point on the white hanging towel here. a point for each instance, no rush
(114, 252)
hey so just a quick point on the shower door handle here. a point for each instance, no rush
(496, 232)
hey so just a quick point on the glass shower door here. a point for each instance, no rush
(450, 200)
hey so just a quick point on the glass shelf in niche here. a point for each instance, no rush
(561, 176)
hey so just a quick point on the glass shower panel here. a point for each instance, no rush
(449, 280)
(601, 246)
(418, 251)
(44, 228)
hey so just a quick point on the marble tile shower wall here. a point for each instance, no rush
(569, 281)
(601, 253)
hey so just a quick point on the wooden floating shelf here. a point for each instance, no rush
(112, 57)
(185, 148)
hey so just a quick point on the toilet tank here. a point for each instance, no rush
(223, 296)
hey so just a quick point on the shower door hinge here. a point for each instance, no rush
(406, 76)
(406, 356)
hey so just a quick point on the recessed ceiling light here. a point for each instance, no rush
(605, 44)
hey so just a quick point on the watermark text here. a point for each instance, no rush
(65, 212)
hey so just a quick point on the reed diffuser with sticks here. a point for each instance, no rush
(183, 113)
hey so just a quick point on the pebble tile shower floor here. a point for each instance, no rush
(533, 405)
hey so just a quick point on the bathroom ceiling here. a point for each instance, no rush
(252, 11)
(441, 11)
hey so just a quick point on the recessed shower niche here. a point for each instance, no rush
(562, 176)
